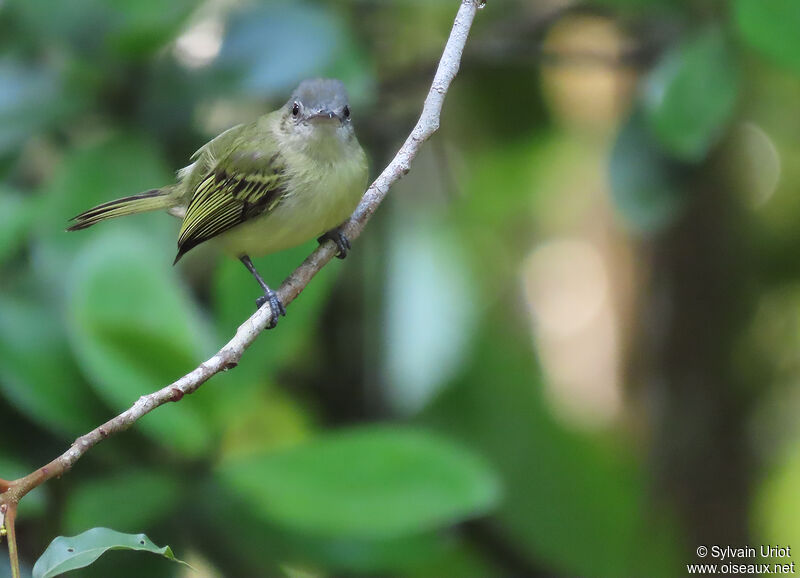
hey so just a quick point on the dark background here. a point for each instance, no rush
(565, 345)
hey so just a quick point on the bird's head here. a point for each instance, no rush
(318, 113)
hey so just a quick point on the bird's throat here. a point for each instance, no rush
(325, 145)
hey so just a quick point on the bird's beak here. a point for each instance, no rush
(324, 115)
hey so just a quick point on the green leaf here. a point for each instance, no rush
(106, 501)
(70, 553)
(771, 27)
(92, 27)
(15, 219)
(375, 482)
(107, 169)
(60, 23)
(141, 26)
(133, 330)
(691, 95)
(645, 182)
(245, 535)
(39, 376)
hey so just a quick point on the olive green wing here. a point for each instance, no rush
(207, 157)
(242, 186)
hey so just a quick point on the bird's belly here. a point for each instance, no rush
(304, 215)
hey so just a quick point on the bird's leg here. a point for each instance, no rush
(275, 304)
(341, 240)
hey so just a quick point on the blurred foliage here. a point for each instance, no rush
(770, 28)
(369, 483)
(532, 416)
(690, 95)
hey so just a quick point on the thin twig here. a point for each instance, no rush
(9, 512)
(228, 357)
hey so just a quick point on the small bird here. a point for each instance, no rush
(258, 188)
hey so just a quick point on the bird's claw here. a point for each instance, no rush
(275, 306)
(341, 240)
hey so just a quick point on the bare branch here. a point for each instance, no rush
(228, 357)
(8, 514)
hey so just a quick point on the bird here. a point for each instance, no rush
(257, 188)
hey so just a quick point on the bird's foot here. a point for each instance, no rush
(341, 240)
(275, 306)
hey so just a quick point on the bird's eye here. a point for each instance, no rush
(346, 112)
(295, 109)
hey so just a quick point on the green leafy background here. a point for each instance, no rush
(565, 345)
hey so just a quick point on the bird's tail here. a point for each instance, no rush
(141, 203)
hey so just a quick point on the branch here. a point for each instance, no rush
(9, 512)
(228, 357)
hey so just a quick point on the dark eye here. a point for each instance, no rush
(295, 109)
(346, 112)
